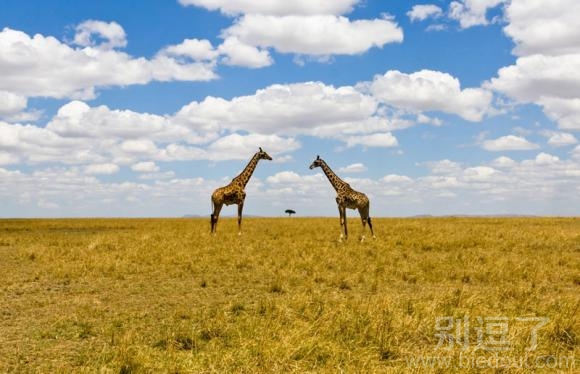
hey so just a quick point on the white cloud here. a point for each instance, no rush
(547, 71)
(319, 35)
(540, 77)
(566, 112)
(236, 146)
(157, 175)
(353, 168)
(195, 49)
(284, 177)
(471, 13)
(436, 27)
(479, 173)
(42, 66)
(373, 140)
(78, 120)
(230, 52)
(443, 167)
(145, 167)
(301, 108)
(140, 146)
(78, 194)
(11, 104)
(112, 34)
(503, 162)
(107, 168)
(553, 82)
(546, 159)
(509, 143)
(428, 90)
(237, 53)
(422, 118)
(7, 158)
(503, 186)
(423, 11)
(276, 7)
(562, 139)
(396, 179)
(543, 27)
(35, 144)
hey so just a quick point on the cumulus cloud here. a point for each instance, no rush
(230, 52)
(566, 112)
(540, 77)
(300, 108)
(503, 162)
(509, 143)
(423, 11)
(145, 167)
(42, 66)
(500, 186)
(539, 27)
(236, 146)
(100, 34)
(276, 7)
(195, 49)
(428, 90)
(216, 128)
(546, 72)
(106, 169)
(77, 119)
(76, 193)
(11, 104)
(236, 53)
(471, 13)
(319, 34)
(443, 167)
(353, 168)
(324, 32)
(561, 139)
(396, 179)
(385, 140)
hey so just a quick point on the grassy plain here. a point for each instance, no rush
(162, 295)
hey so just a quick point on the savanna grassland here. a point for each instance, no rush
(162, 295)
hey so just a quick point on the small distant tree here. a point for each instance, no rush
(290, 212)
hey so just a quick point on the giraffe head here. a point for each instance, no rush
(316, 163)
(262, 155)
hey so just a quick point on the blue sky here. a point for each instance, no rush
(116, 108)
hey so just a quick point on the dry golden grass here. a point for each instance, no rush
(162, 295)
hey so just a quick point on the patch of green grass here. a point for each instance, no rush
(162, 295)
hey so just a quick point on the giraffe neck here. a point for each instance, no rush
(245, 175)
(336, 182)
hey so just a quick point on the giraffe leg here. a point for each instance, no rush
(344, 220)
(240, 208)
(363, 218)
(215, 216)
(342, 215)
(371, 227)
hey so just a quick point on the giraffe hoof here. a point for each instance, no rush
(362, 239)
(374, 236)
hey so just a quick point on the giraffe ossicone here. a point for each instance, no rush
(346, 197)
(234, 192)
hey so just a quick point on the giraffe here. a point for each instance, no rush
(234, 192)
(346, 197)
